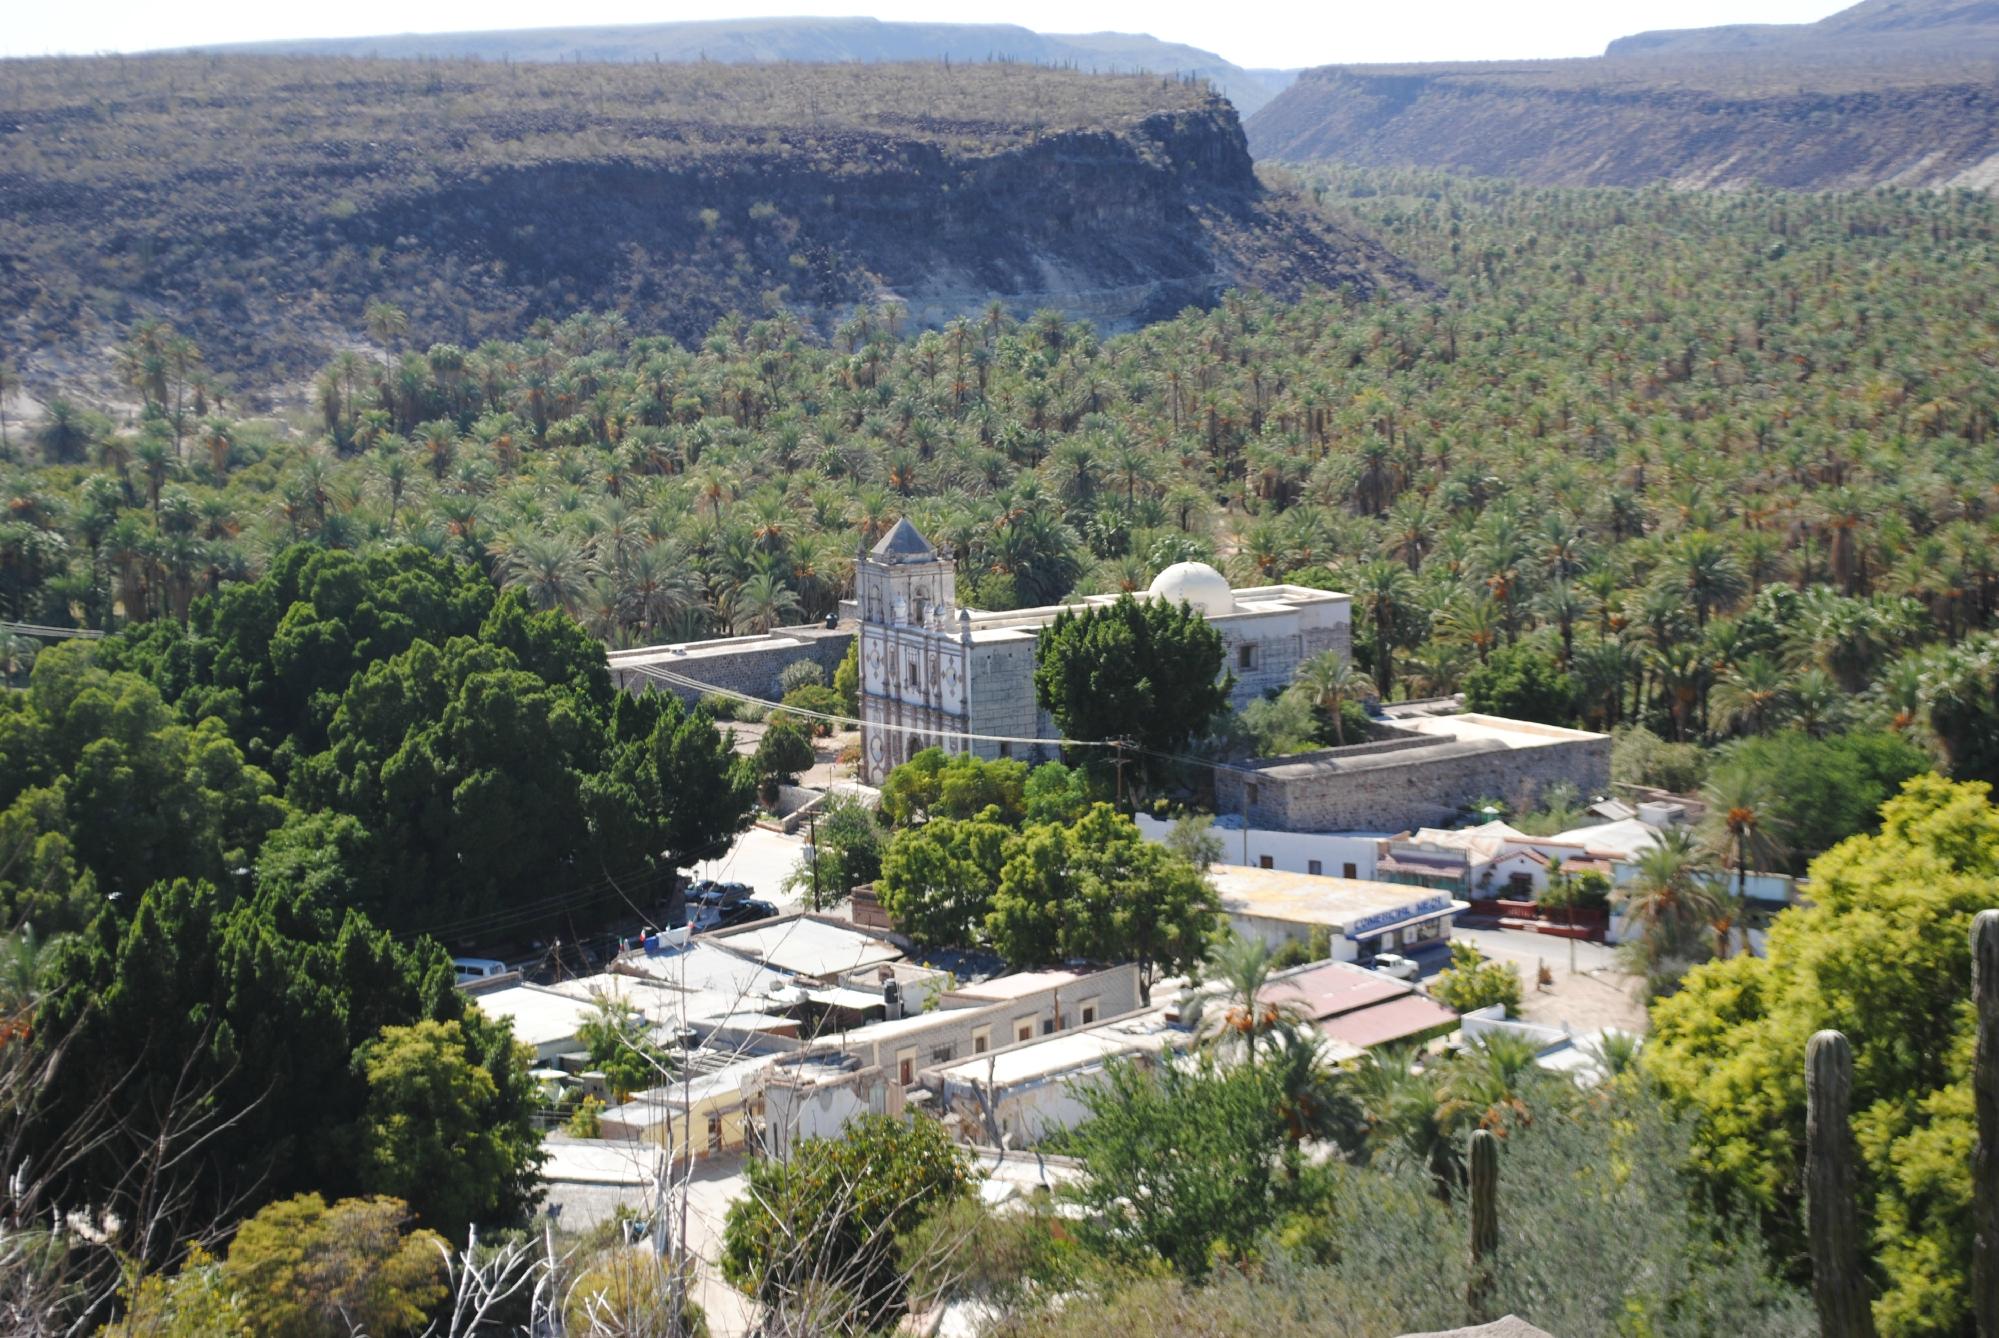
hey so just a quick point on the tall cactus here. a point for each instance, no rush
(1838, 1285)
(1985, 1152)
(1484, 1222)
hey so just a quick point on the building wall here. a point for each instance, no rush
(820, 1109)
(1409, 787)
(951, 1029)
(1003, 701)
(1293, 852)
(752, 670)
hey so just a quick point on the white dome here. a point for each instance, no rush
(1195, 583)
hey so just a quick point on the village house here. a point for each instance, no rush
(1356, 918)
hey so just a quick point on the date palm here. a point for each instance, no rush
(1235, 1013)
(1743, 827)
(1328, 682)
(761, 603)
(1672, 895)
(1752, 697)
(551, 570)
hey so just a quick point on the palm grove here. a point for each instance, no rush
(1710, 471)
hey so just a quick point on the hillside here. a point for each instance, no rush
(736, 41)
(1891, 92)
(1939, 27)
(264, 204)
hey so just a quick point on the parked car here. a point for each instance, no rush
(1393, 964)
(470, 969)
(744, 912)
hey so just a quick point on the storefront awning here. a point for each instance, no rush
(1377, 931)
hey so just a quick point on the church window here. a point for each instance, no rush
(1245, 656)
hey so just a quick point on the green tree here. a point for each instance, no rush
(1181, 1164)
(1522, 683)
(1328, 683)
(784, 751)
(620, 1043)
(816, 1233)
(1472, 982)
(1098, 890)
(932, 785)
(195, 1302)
(937, 880)
(1139, 670)
(449, 1122)
(847, 680)
(1814, 793)
(1882, 954)
(303, 1268)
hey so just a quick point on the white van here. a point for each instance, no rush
(477, 968)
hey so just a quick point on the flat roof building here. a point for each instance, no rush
(1361, 917)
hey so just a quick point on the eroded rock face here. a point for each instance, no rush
(542, 192)
(1636, 122)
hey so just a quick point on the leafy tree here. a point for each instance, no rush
(784, 751)
(1640, 757)
(1139, 670)
(847, 680)
(257, 1006)
(684, 772)
(847, 851)
(1057, 793)
(931, 784)
(1522, 683)
(620, 1044)
(937, 880)
(1179, 1164)
(1097, 890)
(1472, 982)
(449, 1123)
(1882, 954)
(303, 1268)
(1818, 791)
(195, 1302)
(816, 1233)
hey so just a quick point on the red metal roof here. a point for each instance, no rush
(1335, 988)
(1395, 1020)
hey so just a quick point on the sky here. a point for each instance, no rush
(1254, 33)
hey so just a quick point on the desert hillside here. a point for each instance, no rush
(265, 204)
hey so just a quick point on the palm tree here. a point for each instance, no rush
(1328, 682)
(1672, 894)
(550, 569)
(1752, 696)
(1742, 826)
(761, 603)
(1383, 590)
(1240, 1013)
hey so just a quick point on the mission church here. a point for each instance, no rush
(934, 674)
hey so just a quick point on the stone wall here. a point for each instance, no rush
(1002, 699)
(1274, 659)
(1396, 786)
(752, 670)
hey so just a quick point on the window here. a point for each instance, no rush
(944, 1054)
(1313, 867)
(714, 1133)
(1047, 1026)
(1088, 1011)
(1263, 862)
(905, 1067)
(1006, 749)
(915, 672)
(1023, 1029)
(1349, 871)
(982, 1040)
(1245, 656)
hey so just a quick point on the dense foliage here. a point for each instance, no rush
(815, 1236)
(1882, 954)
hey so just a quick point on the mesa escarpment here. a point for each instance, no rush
(1553, 124)
(1890, 92)
(264, 205)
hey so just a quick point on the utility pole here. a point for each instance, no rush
(1119, 745)
(812, 854)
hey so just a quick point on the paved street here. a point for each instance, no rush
(1596, 996)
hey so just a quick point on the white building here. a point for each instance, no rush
(933, 672)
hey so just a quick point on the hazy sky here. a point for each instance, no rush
(1248, 32)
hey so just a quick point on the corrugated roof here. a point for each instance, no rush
(1385, 1023)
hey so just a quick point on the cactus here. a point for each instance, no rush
(1985, 1152)
(1484, 1161)
(1839, 1287)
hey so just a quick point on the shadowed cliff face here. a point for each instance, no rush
(1888, 92)
(504, 197)
(1630, 123)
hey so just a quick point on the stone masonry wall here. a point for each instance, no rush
(753, 670)
(1405, 788)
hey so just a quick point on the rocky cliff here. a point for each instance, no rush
(263, 205)
(1890, 92)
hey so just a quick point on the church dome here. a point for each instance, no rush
(1195, 583)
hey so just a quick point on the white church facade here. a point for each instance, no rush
(934, 674)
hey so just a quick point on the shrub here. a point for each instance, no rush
(1471, 982)
(800, 674)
